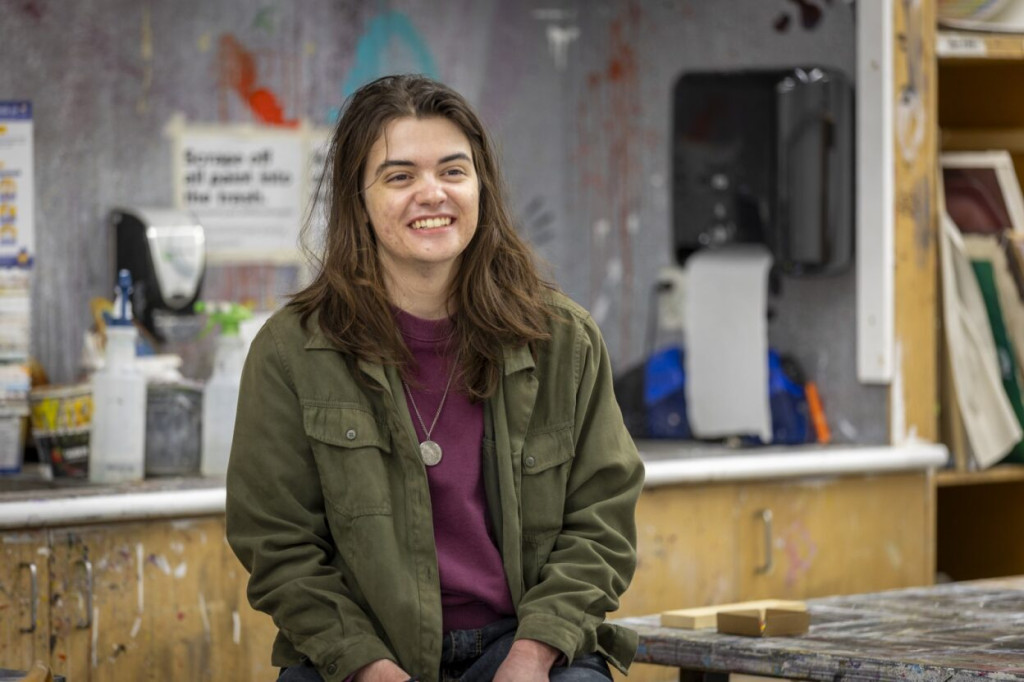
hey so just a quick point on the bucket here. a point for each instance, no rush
(60, 417)
(173, 418)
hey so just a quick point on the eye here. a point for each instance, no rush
(398, 177)
(454, 172)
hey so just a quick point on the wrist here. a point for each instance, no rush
(544, 655)
(382, 670)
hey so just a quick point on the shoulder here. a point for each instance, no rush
(284, 330)
(561, 306)
(574, 334)
(564, 309)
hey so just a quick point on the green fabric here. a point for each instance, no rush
(328, 505)
(984, 272)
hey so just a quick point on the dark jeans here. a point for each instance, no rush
(475, 655)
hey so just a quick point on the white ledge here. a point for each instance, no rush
(43, 512)
(662, 468)
(666, 463)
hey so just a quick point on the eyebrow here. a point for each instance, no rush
(443, 160)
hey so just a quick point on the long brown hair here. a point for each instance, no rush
(497, 292)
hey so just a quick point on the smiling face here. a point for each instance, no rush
(422, 197)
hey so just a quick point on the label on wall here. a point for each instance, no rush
(17, 191)
(246, 186)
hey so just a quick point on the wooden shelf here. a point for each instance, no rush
(972, 46)
(1003, 473)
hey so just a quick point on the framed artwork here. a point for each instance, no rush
(981, 192)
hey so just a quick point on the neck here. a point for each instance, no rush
(424, 295)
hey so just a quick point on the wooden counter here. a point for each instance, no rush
(118, 582)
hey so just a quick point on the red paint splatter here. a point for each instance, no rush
(181, 615)
(610, 179)
(238, 72)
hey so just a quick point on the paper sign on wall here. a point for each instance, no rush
(17, 191)
(247, 188)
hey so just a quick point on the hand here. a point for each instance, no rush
(382, 670)
(527, 660)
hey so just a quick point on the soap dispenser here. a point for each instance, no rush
(117, 442)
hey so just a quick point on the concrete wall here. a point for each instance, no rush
(577, 93)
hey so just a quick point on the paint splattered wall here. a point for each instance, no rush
(576, 91)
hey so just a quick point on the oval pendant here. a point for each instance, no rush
(430, 453)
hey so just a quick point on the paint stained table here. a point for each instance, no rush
(954, 631)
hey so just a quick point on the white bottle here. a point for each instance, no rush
(117, 441)
(220, 399)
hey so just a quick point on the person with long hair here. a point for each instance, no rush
(430, 477)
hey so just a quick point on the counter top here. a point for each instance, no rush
(65, 502)
(955, 631)
(667, 462)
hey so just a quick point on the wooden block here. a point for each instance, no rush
(707, 616)
(769, 622)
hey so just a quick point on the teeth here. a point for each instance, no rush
(427, 223)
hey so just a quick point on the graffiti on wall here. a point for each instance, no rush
(388, 33)
(238, 73)
(809, 12)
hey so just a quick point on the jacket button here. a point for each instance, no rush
(332, 668)
(350, 434)
(530, 461)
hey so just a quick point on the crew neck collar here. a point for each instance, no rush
(423, 329)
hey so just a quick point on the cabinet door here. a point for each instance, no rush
(99, 602)
(155, 601)
(811, 538)
(24, 599)
(686, 549)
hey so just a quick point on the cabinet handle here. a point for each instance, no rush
(86, 623)
(766, 519)
(33, 574)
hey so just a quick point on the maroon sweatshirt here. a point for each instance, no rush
(474, 591)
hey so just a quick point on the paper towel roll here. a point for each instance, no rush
(726, 336)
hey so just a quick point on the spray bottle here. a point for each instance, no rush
(117, 442)
(220, 397)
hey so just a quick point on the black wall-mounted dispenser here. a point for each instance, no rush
(765, 156)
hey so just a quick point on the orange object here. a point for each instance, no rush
(821, 430)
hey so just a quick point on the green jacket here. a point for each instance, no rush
(329, 510)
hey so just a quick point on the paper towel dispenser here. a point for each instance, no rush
(765, 156)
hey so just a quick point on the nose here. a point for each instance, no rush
(430, 192)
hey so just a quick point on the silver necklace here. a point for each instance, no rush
(430, 451)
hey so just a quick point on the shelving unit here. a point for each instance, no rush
(972, 46)
(980, 106)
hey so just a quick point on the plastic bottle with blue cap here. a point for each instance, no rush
(117, 442)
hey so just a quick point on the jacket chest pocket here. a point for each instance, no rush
(352, 452)
(547, 458)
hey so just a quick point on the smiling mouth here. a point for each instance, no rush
(428, 223)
